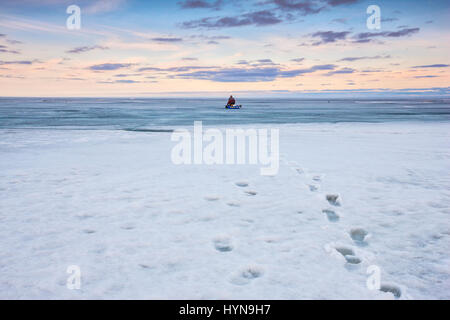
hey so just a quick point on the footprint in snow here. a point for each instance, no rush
(233, 204)
(251, 273)
(251, 193)
(345, 251)
(211, 198)
(349, 255)
(247, 275)
(313, 188)
(242, 184)
(223, 244)
(331, 215)
(89, 231)
(392, 289)
(333, 199)
(359, 235)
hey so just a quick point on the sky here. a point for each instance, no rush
(211, 48)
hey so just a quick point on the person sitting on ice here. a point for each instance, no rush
(231, 101)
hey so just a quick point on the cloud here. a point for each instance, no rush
(265, 61)
(126, 81)
(175, 69)
(19, 23)
(123, 75)
(419, 77)
(303, 7)
(14, 41)
(201, 36)
(200, 4)
(210, 39)
(189, 59)
(168, 39)
(233, 75)
(340, 2)
(329, 36)
(109, 66)
(362, 41)
(350, 59)
(401, 33)
(371, 70)
(9, 76)
(257, 63)
(73, 79)
(258, 18)
(23, 62)
(366, 36)
(9, 51)
(298, 59)
(262, 18)
(10, 41)
(297, 72)
(5, 49)
(433, 66)
(101, 6)
(306, 7)
(284, 10)
(389, 19)
(249, 74)
(86, 49)
(341, 71)
(340, 20)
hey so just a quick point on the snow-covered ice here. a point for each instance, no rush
(347, 196)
